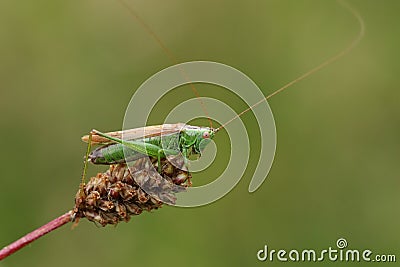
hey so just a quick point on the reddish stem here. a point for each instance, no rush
(32, 236)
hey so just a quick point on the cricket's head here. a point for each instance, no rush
(204, 137)
(198, 137)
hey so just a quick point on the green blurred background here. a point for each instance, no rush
(69, 66)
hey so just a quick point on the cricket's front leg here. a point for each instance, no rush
(159, 152)
(186, 165)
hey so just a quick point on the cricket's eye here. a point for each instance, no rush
(206, 135)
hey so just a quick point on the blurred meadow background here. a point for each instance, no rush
(69, 66)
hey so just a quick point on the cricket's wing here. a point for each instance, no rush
(137, 133)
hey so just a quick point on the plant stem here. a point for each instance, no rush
(32, 236)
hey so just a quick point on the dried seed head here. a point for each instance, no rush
(122, 191)
(132, 208)
(106, 205)
(180, 178)
(92, 198)
(121, 210)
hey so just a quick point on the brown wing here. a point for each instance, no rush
(137, 133)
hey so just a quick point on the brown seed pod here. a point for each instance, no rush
(123, 190)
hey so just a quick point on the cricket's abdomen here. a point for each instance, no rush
(118, 153)
(113, 154)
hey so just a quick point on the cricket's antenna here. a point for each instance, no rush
(171, 56)
(330, 60)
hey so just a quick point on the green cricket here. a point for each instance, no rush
(154, 141)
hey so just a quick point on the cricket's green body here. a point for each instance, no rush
(189, 140)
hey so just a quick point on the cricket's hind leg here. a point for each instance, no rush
(89, 146)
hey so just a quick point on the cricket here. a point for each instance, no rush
(148, 165)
